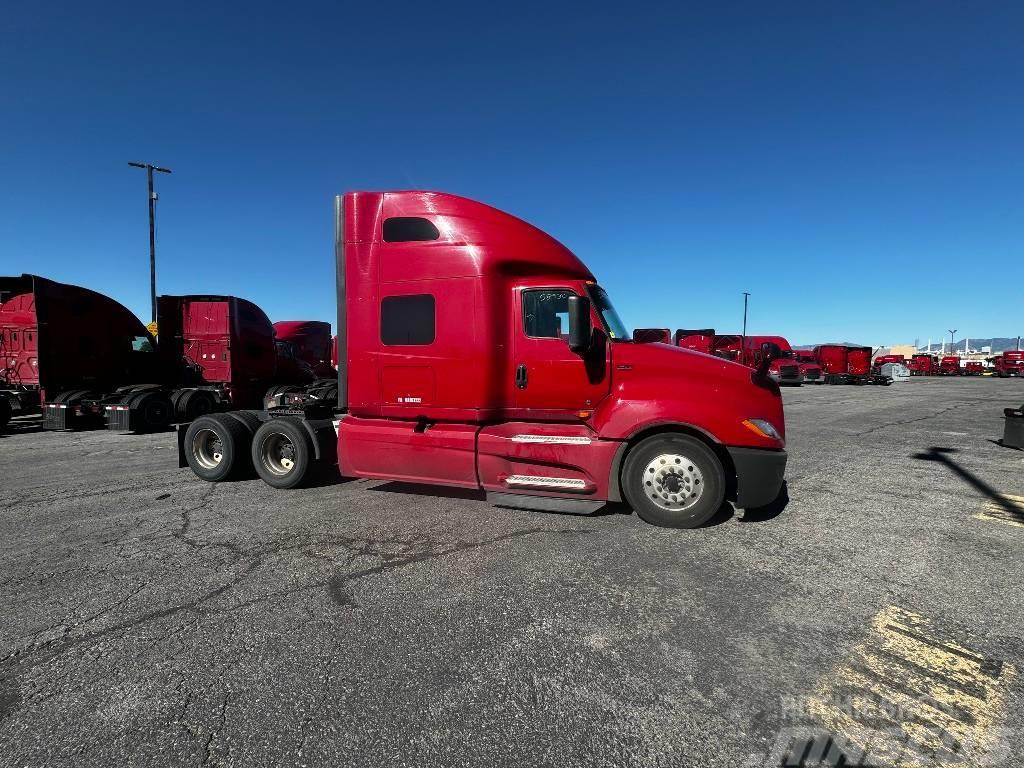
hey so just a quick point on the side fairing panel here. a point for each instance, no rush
(402, 450)
(565, 460)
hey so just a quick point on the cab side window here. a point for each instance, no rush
(546, 314)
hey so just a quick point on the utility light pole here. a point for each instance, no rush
(745, 297)
(152, 229)
(951, 332)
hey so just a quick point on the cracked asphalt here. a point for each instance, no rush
(149, 618)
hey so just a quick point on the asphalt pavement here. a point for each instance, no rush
(148, 618)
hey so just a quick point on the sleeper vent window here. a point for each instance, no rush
(407, 320)
(406, 229)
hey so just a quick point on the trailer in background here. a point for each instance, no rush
(834, 362)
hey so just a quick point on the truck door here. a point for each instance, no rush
(548, 376)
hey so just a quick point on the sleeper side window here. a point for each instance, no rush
(407, 229)
(546, 314)
(407, 320)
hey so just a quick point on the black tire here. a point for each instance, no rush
(217, 447)
(180, 400)
(273, 392)
(199, 403)
(248, 418)
(5, 411)
(71, 397)
(154, 411)
(282, 453)
(697, 468)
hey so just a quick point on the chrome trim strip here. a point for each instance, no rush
(552, 439)
(545, 482)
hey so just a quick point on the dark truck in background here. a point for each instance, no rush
(60, 343)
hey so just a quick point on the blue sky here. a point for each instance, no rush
(856, 166)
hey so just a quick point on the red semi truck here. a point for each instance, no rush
(923, 364)
(784, 369)
(1009, 363)
(543, 402)
(950, 366)
(309, 341)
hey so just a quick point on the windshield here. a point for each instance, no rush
(612, 323)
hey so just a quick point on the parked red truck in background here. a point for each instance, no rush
(809, 367)
(974, 368)
(310, 342)
(697, 339)
(537, 418)
(876, 365)
(784, 369)
(950, 366)
(923, 364)
(1010, 363)
(59, 342)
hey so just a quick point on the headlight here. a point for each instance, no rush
(762, 428)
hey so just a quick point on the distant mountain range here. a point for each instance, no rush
(998, 344)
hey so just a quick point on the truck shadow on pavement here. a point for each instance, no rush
(942, 456)
(723, 515)
(22, 426)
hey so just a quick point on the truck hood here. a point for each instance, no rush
(659, 384)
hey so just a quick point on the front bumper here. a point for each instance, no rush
(759, 475)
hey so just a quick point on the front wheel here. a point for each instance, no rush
(282, 452)
(673, 481)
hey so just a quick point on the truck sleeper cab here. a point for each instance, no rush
(476, 351)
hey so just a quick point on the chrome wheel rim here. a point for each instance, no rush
(278, 454)
(207, 449)
(673, 482)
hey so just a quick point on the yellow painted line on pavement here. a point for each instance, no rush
(912, 695)
(1007, 509)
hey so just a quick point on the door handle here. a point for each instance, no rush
(521, 376)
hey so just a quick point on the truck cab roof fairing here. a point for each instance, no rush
(473, 239)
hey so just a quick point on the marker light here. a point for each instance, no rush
(762, 428)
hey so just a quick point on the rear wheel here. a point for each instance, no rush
(282, 453)
(217, 447)
(154, 409)
(5, 410)
(674, 481)
(199, 403)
